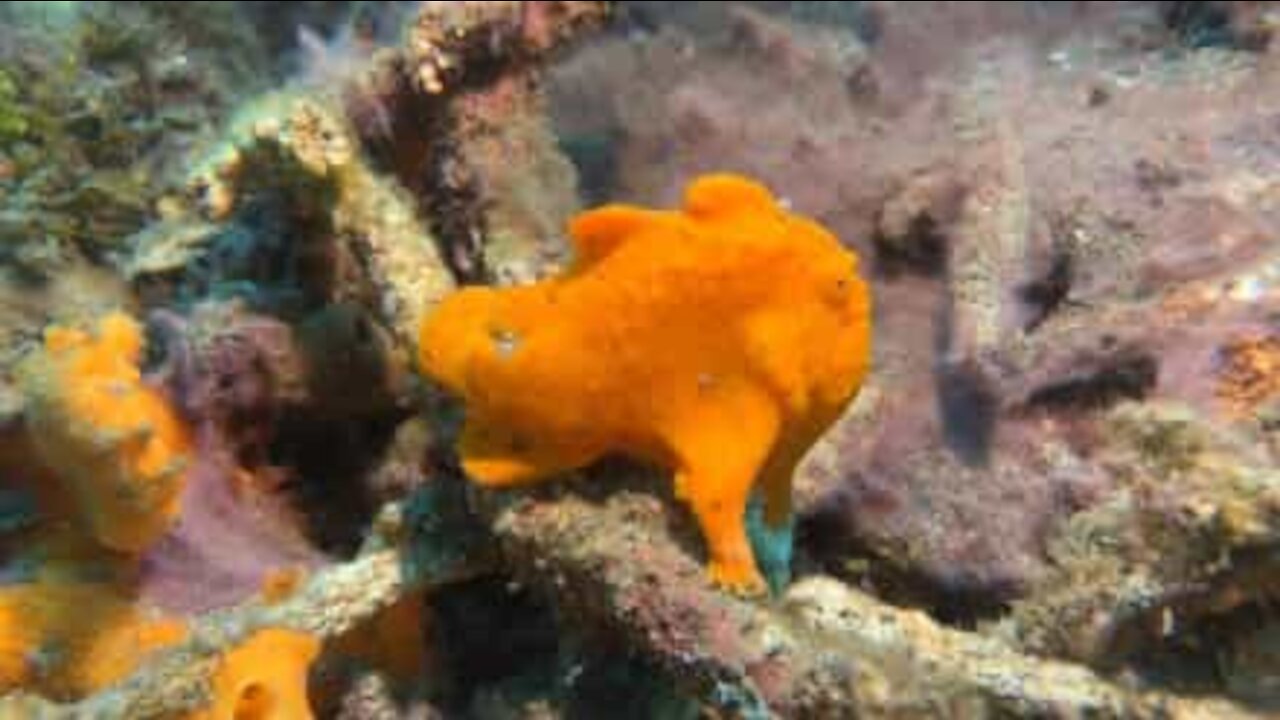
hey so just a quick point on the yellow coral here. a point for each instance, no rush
(265, 678)
(113, 441)
(65, 641)
(1250, 374)
(719, 340)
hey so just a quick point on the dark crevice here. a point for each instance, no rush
(1047, 294)
(410, 134)
(824, 537)
(1212, 23)
(1219, 646)
(1128, 375)
(488, 633)
(922, 251)
(324, 456)
(968, 405)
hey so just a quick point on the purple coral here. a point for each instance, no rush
(230, 373)
(228, 539)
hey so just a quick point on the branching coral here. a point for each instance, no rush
(115, 441)
(320, 222)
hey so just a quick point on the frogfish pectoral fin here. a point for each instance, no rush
(494, 455)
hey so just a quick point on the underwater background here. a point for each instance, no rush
(986, 294)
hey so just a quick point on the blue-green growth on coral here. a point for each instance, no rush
(443, 535)
(773, 546)
(17, 510)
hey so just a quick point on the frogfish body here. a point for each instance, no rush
(719, 340)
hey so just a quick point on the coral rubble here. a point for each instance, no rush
(827, 651)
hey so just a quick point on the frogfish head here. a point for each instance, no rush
(832, 273)
(451, 333)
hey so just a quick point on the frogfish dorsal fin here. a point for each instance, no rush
(597, 233)
(723, 194)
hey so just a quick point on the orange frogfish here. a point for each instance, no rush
(719, 340)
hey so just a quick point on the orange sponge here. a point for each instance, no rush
(114, 442)
(66, 641)
(264, 679)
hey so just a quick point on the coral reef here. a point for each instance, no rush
(1054, 496)
(1065, 207)
(299, 221)
(463, 129)
(132, 476)
(100, 104)
(1011, 175)
(289, 273)
(451, 148)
